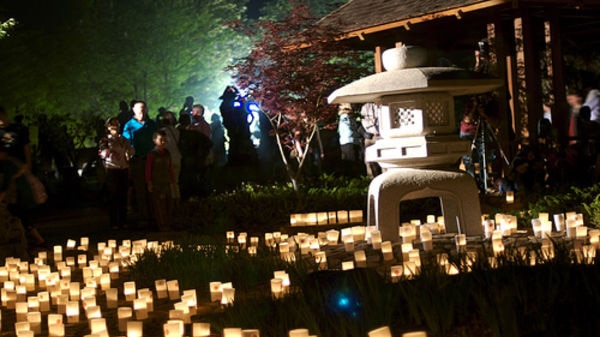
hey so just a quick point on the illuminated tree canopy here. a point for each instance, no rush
(84, 56)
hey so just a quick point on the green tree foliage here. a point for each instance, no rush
(292, 68)
(84, 56)
(6, 26)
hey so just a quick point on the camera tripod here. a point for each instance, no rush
(480, 146)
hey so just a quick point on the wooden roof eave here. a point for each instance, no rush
(406, 23)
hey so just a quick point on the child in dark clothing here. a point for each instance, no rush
(160, 179)
(115, 152)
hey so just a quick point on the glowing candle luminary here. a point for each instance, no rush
(298, 333)
(3, 274)
(55, 319)
(124, 315)
(358, 232)
(215, 291)
(250, 333)
(189, 296)
(161, 288)
(376, 239)
(321, 260)
(129, 291)
(426, 239)
(332, 237)
(415, 334)
(461, 243)
(408, 233)
(57, 253)
(384, 331)
(147, 295)
(72, 309)
(230, 236)
(56, 330)
(348, 243)
(489, 226)
(104, 281)
(559, 222)
(311, 219)
(510, 197)
(200, 329)
(93, 311)
(173, 290)
(21, 328)
(81, 260)
(571, 228)
(112, 297)
(594, 235)
(21, 310)
(296, 220)
(387, 251)
(360, 257)
(185, 310)
(322, 218)
(232, 332)
(98, 327)
(242, 240)
(228, 296)
(347, 265)
(498, 246)
(342, 217)
(406, 248)
(173, 328)
(356, 216)
(581, 232)
(135, 329)
(396, 272)
(140, 308)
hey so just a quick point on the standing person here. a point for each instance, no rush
(198, 121)
(217, 137)
(160, 179)
(348, 138)
(167, 124)
(17, 190)
(575, 101)
(186, 110)
(115, 152)
(138, 131)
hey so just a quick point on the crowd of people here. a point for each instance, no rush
(151, 164)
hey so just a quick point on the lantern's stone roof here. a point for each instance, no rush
(357, 15)
(455, 81)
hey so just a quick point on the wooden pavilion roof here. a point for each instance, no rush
(359, 18)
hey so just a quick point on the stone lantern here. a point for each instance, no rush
(419, 136)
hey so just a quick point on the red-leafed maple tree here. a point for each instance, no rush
(291, 70)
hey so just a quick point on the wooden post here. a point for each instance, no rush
(498, 47)
(378, 65)
(533, 89)
(560, 113)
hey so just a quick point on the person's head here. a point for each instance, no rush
(159, 138)
(112, 125)
(574, 100)
(140, 110)
(344, 108)
(167, 118)
(198, 110)
(215, 118)
(123, 108)
(189, 101)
